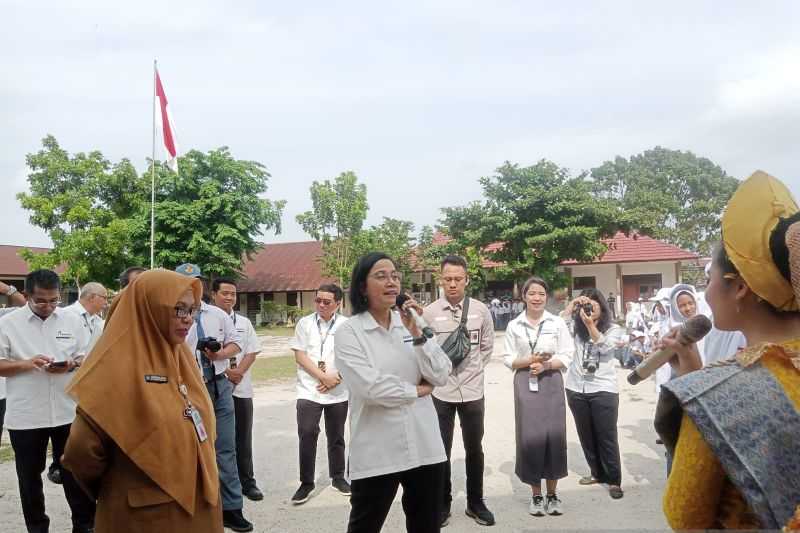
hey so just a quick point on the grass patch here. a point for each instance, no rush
(275, 331)
(267, 369)
(6, 452)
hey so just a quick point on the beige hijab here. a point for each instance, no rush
(145, 418)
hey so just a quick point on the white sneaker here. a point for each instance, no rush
(553, 505)
(536, 507)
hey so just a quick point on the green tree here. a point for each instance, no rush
(339, 210)
(540, 213)
(668, 194)
(393, 237)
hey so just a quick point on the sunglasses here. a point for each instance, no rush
(323, 301)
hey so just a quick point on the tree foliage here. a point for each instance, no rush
(670, 195)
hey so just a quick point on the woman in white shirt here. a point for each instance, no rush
(592, 393)
(538, 349)
(390, 370)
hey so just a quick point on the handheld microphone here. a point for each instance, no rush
(421, 324)
(690, 332)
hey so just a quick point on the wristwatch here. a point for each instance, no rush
(11, 290)
(419, 341)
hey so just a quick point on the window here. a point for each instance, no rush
(291, 299)
(585, 282)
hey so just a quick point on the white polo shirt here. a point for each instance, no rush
(36, 399)
(93, 323)
(250, 344)
(316, 337)
(391, 429)
(217, 324)
(605, 378)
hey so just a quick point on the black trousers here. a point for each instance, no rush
(243, 408)
(595, 417)
(470, 416)
(308, 416)
(372, 498)
(30, 450)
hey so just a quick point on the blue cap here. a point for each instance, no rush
(189, 269)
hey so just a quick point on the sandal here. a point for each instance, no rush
(615, 492)
(588, 480)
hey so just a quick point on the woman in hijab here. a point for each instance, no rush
(142, 442)
(736, 422)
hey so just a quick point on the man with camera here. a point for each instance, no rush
(455, 314)
(214, 340)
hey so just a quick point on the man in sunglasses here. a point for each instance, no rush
(320, 390)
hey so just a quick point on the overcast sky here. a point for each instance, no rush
(420, 99)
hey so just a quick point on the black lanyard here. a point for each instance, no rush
(327, 334)
(538, 334)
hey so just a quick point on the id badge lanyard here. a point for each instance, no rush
(533, 381)
(321, 363)
(189, 412)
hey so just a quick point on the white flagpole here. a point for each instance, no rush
(153, 176)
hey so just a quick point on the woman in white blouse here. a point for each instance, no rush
(538, 349)
(390, 370)
(592, 392)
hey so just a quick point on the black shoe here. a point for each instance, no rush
(83, 529)
(478, 512)
(54, 474)
(302, 494)
(236, 521)
(341, 485)
(444, 518)
(253, 493)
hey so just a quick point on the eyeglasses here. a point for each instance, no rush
(323, 301)
(383, 277)
(44, 303)
(183, 312)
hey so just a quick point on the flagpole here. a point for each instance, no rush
(153, 176)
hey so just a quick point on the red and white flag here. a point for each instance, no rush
(167, 127)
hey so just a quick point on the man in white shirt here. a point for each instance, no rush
(213, 340)
(38, 347)
(92, 301)
(14, 299)
(223, 294)
(319, 390)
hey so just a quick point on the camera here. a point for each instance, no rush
(586, 308)
(209, 343)
(591, 358)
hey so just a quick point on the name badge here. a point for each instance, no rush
(64, 335)
(199, 427)
(151, 378)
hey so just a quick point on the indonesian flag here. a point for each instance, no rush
(167, 127)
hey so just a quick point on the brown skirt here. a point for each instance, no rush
(541, 427)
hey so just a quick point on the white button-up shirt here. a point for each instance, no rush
(250, 344)
(217, 324)
(554, 338)
(391, 429)
(93, 323)
(605, 378)
(316, 338)
(35, 398)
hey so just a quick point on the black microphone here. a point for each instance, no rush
(421, 324)
(690, 332)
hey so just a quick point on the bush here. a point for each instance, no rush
(282, 314)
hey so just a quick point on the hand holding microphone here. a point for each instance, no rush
(410, 310)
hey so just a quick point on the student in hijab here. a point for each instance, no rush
(142, 442)
(718, 344)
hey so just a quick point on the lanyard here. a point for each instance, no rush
(88, 325)
(327, 333)
(538, 334)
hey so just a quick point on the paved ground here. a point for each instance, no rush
(586, 508)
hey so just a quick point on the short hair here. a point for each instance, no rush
(455, 260)
(358, 280)
(90, 289)
(219, 281)
(43, 279)
(333, 289)
(534, 280)
(124, 278)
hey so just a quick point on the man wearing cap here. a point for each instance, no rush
(213, 323)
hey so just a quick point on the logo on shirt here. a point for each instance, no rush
(64, 335)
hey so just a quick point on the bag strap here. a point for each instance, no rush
(465, 312)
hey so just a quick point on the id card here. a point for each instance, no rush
(533, 384)
(199, 427)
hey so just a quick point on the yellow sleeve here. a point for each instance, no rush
(692, 496)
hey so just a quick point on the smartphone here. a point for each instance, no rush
(58, 364)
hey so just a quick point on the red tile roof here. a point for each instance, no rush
(11, 264)
(637, 248)
(280, 267)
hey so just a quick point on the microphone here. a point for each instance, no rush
(690, 332)
(421, 324)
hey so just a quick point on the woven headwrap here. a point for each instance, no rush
(793, 244)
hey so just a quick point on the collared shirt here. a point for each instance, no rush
(554, 338)
(250, 344)
(391, 429)
(605, 377)
(35, 398)
(217, 324)
(316, 338)
(93, 323)
(465, 383)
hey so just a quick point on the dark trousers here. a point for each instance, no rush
(595, 417)
(308, 416)
(470, 416)
(243, 408)
(30, 450)
(2, 417)
(372, 498)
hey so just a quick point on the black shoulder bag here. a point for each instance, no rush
(457, 345)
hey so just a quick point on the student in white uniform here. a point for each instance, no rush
(91, 303)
